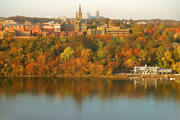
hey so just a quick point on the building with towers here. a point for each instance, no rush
(80, 25)
(79, 14)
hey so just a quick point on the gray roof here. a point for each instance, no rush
(165, 70)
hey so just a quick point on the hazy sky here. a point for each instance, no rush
(122, 9)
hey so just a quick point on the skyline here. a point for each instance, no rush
(115, 9)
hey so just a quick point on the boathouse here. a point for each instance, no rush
(150, 70)
(164, 71)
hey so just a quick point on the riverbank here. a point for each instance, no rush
(125, 77)
(116, 77)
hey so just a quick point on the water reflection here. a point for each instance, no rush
(86, 99)
(80, 89)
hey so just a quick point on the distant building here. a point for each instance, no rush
(47, 27)
(127, 22)
(117, 31)
(78, 20)
(1, 21)
(141, 22)
(51, 27)
(79, 14)
(36, 29)
(98, 31)
(67, 27)
(165, 71)
(88, 15)
(1, 34)
(97, 14)
(27, 23)
(94, 32)
(57, 27)
(20, 33)
(147, 70)
(63, 18)
(80, 25)
(9, 22)
(111, 24)
(112, 31)
(83, 26)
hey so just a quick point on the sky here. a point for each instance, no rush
(115, 9)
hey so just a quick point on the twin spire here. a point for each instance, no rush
(79, 14)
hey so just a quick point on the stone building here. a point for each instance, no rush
(112, 31)
(80, 25)
(67, 27)
(117, 31)
(98, 31)
(79, 14)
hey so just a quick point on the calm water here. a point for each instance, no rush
(66, 99)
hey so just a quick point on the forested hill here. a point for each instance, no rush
(22, 19)
(84, 55)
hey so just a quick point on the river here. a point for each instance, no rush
(88, 99)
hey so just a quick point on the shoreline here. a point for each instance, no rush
(120, 77)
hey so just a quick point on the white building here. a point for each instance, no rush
(146, 70)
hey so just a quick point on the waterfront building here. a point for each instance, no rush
(147, 70)
(165, 71)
